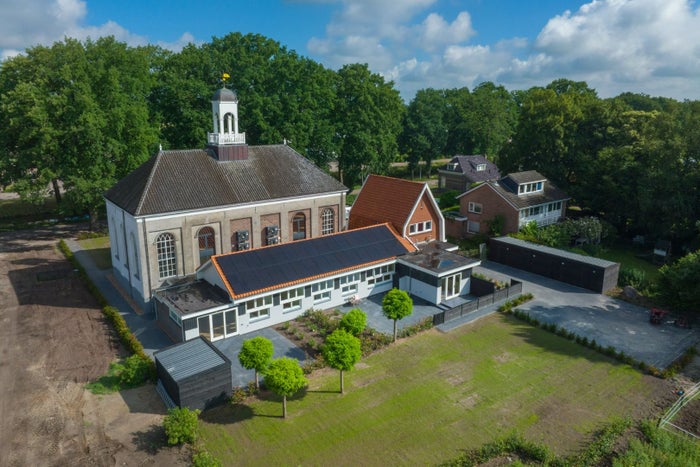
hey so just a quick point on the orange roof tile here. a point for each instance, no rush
(385, 199)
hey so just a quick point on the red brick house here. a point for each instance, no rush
(520, 198)
(408, 206)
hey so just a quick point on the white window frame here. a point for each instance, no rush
(530, 187)
(166, 255)
(420, 227)
(476, 208)
(380, 274)
(291, 299)
(327, 221)
(349, 284)
(322, 291)
(258, 309)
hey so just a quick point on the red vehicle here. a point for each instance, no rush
(656, 315)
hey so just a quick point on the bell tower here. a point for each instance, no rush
(226, 142)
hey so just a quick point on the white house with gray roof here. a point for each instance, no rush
(172, 213)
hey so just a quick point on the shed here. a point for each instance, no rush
(194, 374)
(590, 273)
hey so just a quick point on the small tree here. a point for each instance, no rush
(285, 377)
(341, 351)
(396, 305)
(181, 425)
(354, 321)
(256, 354)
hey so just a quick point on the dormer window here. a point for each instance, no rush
(530, 187)
(480, 167)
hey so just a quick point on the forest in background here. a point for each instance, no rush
(84, 114)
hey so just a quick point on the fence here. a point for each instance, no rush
(481, 301)
(665, 421)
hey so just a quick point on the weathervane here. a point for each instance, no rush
(225, 78)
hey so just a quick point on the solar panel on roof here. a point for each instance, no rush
(268, 267)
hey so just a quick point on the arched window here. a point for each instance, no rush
(167, 264)
(299, 226)
(327, 221)
(205, 237)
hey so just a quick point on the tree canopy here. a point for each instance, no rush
(342, 351)
(256, 354)
(396, 305)
(285, 378)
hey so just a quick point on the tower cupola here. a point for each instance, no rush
(226, 142)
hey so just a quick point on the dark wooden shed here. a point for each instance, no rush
(587, 272)
(194, 374)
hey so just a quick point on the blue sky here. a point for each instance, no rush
(646, 46)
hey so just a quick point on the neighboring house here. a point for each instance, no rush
(463, 171)
(408, 206)
(519, 198)
(175, 211)
(240, 292)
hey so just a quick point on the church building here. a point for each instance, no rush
(181, 207)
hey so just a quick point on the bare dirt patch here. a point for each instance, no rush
(53, 339)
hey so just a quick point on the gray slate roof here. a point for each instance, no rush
(467, 167)
(182, 180)
(190, 358)
(508, 188)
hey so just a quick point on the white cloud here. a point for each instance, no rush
(27, 23)
(649, 46)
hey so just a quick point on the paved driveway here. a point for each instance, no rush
(609, 321)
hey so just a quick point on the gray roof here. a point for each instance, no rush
(467, 165)
(190, 358)
(225, 95)
(190, 296)
(507, 187)
(182, 180)
(555, 251)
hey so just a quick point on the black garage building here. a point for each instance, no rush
(194, 374)
(587, 272)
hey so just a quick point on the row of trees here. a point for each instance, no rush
(88, 113)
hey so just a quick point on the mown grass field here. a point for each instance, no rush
(424, 399)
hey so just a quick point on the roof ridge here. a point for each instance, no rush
(147, 186)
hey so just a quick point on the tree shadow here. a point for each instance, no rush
(227, 414)
(150, 441)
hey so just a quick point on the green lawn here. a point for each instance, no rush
(98, 249)
(426, 398)
(628, 258)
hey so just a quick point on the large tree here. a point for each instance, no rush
(285, 378)
(424, 129)
(342, 351)
(256, 354)
(368, 116)
(396, 305)
(77, 113)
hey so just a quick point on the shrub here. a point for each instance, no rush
(633, 277)
(354, 322)
(181, 425)
(136, 370)
(203, 458)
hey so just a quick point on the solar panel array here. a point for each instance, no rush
(254, 270)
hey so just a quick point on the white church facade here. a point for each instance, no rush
(179, 208)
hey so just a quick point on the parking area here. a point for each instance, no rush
(609, 321)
